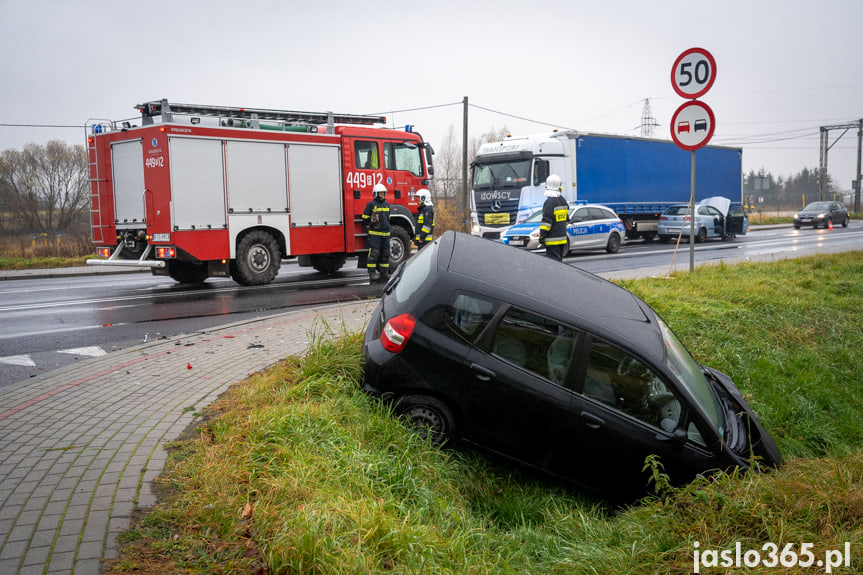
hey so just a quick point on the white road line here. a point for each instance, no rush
(93, 351)
(23, 360)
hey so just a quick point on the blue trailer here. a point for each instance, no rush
(637, 177)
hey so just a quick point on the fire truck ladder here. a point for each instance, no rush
(249, 117)
(96, 226)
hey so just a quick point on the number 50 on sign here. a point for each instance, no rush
(693, 73)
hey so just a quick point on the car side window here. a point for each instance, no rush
(580, 215)
(625, 383)
(597, 214)
(469, 314)
(366, 155)
(536, 344)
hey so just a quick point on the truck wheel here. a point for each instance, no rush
(613, 244)
(429, 416)
(258, 259)
(187, 272)
(701, 236)
(328, 263)
(400, 247)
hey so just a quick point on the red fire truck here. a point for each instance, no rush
(198, 191)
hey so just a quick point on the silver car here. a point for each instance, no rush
(716, 218)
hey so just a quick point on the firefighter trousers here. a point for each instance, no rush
(379, 253)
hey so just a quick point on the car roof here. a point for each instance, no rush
(558, 290)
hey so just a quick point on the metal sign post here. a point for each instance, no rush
(693, 124)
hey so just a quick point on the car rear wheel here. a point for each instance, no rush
(613, 244)
(845, 221)
(429, 417)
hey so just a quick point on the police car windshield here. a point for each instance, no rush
(502, 175)
(535, 217)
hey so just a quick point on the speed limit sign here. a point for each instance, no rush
(693, 73)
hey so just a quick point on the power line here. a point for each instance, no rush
(78, 127)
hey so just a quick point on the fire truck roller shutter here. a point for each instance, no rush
(127, 167)
(197, 184)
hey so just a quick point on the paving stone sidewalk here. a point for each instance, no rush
(81, 446)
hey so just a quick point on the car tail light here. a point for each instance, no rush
(103, 252)
(397, 332)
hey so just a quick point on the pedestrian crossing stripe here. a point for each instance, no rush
(93, 351)
(23, 360)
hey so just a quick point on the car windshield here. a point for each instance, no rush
(817, 207)
(689, 374)
(501, 175)
(535, 217)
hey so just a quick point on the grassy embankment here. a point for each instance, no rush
(296, 471)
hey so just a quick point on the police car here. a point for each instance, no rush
(591, 226)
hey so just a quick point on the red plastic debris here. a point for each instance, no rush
(188, 366)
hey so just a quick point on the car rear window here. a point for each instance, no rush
(414, 273)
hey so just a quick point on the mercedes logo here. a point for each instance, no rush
(496, 206)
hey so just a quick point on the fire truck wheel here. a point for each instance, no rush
(328, 263)
(187, 272)
(258, 259)
(400, 247)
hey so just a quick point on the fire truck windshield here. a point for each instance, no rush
(501, 174)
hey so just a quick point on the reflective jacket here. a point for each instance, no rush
(425, 224)
(555, 215)
(376, 218)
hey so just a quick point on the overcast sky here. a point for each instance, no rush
(784, 67)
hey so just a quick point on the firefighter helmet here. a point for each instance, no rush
(380, 189)
(553, 183)
(552, 186)
(424, 197)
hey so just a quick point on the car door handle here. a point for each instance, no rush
(591, 420)
(482, 373)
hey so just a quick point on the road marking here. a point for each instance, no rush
(93, 351)
(18, 360)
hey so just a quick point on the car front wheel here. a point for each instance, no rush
(845, 221)
(701, 236)
(429, 416)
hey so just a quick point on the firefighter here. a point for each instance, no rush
(376, 221)
(555, 214)
(425, 219)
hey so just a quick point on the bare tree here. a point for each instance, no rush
(45, 187)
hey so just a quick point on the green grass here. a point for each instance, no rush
(38, 263)
(296, 471)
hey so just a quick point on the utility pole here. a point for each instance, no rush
(464, 186)
(648, 122)
(859, 175)
(825, 133)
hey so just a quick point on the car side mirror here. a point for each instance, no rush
(678, 437)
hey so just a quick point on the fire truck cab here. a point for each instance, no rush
(196, 191)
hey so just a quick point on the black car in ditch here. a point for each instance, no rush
(552, 367)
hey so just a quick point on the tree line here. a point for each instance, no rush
(44, 190)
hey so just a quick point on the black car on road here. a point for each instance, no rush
(818, 214)
(552, 367)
